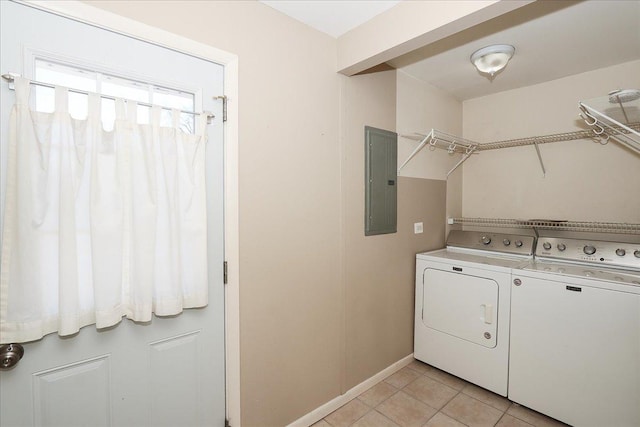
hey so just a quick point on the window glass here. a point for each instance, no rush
(110, 86)
(178, 100)
(121, 88)
(63, 76)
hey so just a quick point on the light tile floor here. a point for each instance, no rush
(420, 395)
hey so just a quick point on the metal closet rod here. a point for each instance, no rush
(602, 227)
(10, 79)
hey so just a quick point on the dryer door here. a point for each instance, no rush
(461, 305)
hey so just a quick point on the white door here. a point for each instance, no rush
(461, 305)
(170, 371)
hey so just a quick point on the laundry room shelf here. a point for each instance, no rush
(456, 145)
(545, 224)
(615, 116)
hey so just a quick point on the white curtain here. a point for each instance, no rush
(99, 225)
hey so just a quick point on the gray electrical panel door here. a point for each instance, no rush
(381, 195)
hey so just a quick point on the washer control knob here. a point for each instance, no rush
(636, 254)
(546, 245)
(506, 242)
(589, 249)
(620, 252)
(562, 247)
(517, 282)
(485, 240)
(519, 243)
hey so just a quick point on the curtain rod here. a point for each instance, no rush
(10, 78)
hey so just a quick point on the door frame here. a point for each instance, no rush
(87, 14)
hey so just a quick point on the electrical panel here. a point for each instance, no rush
(381, 181)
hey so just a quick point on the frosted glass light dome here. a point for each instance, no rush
(491, 59)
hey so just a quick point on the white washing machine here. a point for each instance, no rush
(463, 303)
(575, 332)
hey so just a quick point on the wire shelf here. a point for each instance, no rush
(438, 139)
(598, 227)
(616, 116)
(454, 144)
(457, 145)
(558, 137)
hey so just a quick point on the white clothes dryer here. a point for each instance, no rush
(463, 305)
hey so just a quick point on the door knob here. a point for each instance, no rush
(10, 355)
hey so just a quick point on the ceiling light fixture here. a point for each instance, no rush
(492, 59)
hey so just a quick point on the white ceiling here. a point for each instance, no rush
(553, 39)
(333, 17)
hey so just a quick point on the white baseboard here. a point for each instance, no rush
(324, 410)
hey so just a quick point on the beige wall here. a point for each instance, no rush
(379, 270)
(421, 107)
(584, 180)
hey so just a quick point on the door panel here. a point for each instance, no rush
(51, 389)
(169, 379)
(461, 305)
(171, 370)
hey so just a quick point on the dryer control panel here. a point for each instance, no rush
(519, 244)
(606, 253)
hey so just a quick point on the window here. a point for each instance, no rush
(114, 86)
